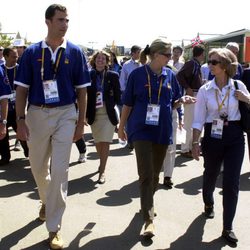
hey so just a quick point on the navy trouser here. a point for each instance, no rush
(228, 151)
(81, 146)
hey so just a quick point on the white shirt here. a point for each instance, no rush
(178, 65)
(205, 71)
(206, 107)
(127, 68)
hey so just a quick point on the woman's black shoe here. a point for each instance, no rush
(229, 236)
(209, 212)
(168, 182)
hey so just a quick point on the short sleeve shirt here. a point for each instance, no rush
(5, 89)
(72, 72)
(137, 96)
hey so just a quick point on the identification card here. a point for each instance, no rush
(13, 96)
(217, 128)
(153, 114)
(50, 90)
(99, 100)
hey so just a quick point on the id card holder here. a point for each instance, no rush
(50, 90)
(153, 114)
(13, 96)
(99, 100)
(217, 128)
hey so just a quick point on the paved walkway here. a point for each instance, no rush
(106, 217)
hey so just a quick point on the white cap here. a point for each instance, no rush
(19, 43)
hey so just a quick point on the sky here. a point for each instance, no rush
(95, 23)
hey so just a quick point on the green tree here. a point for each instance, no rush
(5, 41)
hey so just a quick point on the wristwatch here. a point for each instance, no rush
(3, 121)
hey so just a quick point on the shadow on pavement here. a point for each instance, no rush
(122, 196)
(124, 241)
(245, 182)
(192, 239)
(192, 186)
(18, 172)
(12, 239)
(82, 185)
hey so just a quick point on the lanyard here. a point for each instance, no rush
(149, 88)
(56, 65)
(6, 74)
(217, 99)
(101, 79)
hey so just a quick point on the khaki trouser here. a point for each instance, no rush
(51, 134)
(149, 158)
(169, 161)
(188, 120)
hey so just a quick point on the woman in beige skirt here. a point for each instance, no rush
(103, 95)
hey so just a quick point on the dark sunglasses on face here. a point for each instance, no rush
(213, 62)
(166, 54)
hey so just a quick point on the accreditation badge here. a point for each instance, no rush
(50, 90)
(153, 114)
(13, 96)
(217, 128)
(99, 100)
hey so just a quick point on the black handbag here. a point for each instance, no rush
(244, 112)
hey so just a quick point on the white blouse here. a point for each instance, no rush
(209, 98)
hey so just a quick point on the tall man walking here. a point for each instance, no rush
(52, 75)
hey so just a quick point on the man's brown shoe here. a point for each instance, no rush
(55, 240)
(148, 229)
(42, 213)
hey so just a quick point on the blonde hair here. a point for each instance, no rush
(228, 60)
(157, 46)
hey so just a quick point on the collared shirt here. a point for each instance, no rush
(178, 65)
(206, 107)
(127, 68)
(5, 90)
(136, 96)
(2, 61)
(9, 74)
(72, 72)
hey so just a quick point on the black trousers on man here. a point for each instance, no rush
(4, 143)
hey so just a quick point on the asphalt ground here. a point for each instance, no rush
(106, 217)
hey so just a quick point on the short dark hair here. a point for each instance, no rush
(178, 47)
(6, 51)
(135, 48)
(51, 10)
(198, 50)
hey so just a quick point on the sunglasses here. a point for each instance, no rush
(213, 62)
(166, 54)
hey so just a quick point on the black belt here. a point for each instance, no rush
(229, 122)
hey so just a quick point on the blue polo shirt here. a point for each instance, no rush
(9, 74)
(5, 90)
(136, 96)
(72, 72)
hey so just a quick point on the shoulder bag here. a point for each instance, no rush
(245, 113)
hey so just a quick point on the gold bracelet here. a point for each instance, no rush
(195, 142)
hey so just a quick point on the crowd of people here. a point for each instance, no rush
(51, 85)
